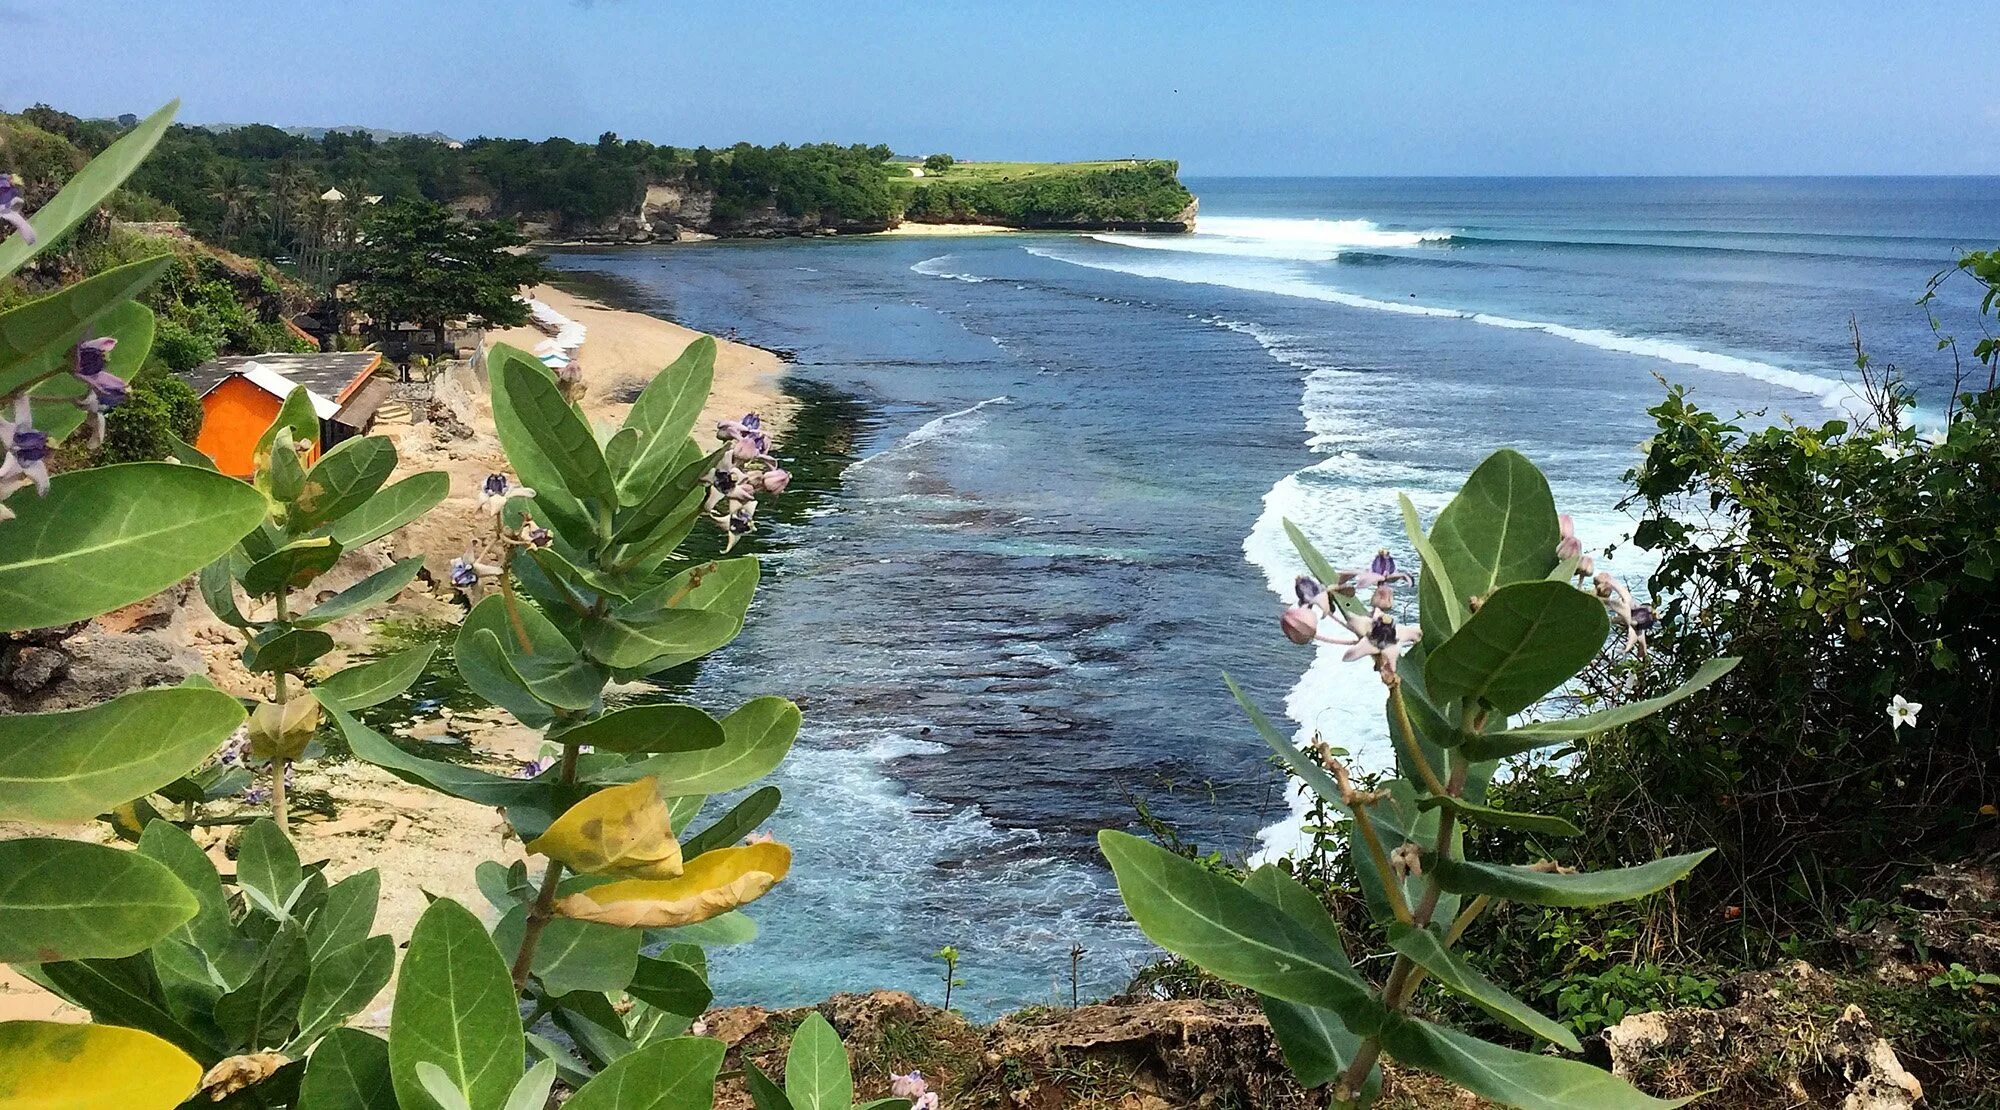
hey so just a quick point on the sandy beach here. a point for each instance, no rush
(911, 227)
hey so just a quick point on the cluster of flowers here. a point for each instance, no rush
(236, 753)
(470, 568)
(24, 450)
(746, 471)
(1377, 636)
(914, 1087)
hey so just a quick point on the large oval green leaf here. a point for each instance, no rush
(372, 590)
(374, 682)
(664, 414)
(1509, 1077)
(131, 324)
(1500, 528)
(75, 765)
(342, 480)
(676, 1074)
(655, 727)
(88, 189)
(546, 439)
(1191, 911)
(455, 1008)
(112, 535)
(1526, 640)
(755, 740)
(817, 1075)
(656, 642)
(1552, 888)
(63, 900)
(348, 1071)
(391, 508)
(1426, 950)
(1541, 734)
(37, 336)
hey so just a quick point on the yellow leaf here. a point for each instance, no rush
(620, 830)
(47, 1065)
(713, 883)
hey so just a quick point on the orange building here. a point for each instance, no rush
(241, 395)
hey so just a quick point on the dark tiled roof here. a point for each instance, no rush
(328, 373)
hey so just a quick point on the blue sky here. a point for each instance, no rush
(1335, 87)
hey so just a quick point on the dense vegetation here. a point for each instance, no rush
(252, 188)
(1048, 195)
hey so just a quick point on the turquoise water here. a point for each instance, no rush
(1049, 470)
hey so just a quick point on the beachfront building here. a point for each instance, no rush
(241, 394)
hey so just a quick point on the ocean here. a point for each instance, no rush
(1043, 478)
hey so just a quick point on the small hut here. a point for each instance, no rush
(241, 394)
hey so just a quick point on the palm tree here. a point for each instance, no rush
(232, 192)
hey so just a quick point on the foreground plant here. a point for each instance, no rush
(73, 546)
(1502, 627)
(578, 587)
(313, 515)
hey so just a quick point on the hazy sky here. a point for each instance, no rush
(1335, 87)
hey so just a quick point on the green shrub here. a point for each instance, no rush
(158, 408)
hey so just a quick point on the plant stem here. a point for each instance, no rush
(1390, 886)
(544, 909)
(1413, 750)
(513, 606)
(279, 764)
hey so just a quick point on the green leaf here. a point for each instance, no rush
(653, 727)
(765, 1094)
(64, 900)
(348, 1071)
(817, 1076)
(484, 663)
(572, 955)
(88, 188)
(672, 986)
(259, 1014)
(109, 536)
(546, 439)
(561, 679)
(1526, 640)
(218, 589)
(454, 779)
(339, 985)
(347, 916)
(1545, 888)
(1500, 529)
(665, 413)
(126, 992)
(657, 641)
(733, 826)
(721, 930)
(374, 682)
(297, 417)
(282, 648)
(1304, 766)
(455, 1008)
(1542, 734)
(281, 473)
(1546, 824)
(390, 509)
(342, 481)
(37, 337)
(676, 1074)
(532, 1092)
(74, 765)
(291, 566)
(378, 587)
(1450, 603)
(1317, 1045)
(1426, 950)
(440, 1086)
(669, 500)
(755, 740)
(267, 863)
(190, 959)
(1512, 1078)
(1194, 912)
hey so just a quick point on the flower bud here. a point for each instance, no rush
(1585, 567)
(281, 730)
(1384, 597)
(776, 479)
(1300, 623)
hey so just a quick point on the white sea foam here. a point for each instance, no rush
(932, 429)
(1835, 394)
(932, 267)
(1285, 239)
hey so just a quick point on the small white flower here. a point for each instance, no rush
(1891, 450)
(1904, 712)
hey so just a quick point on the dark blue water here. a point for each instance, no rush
(1066, 463)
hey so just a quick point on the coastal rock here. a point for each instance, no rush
(101, 665)
(1773, 1045)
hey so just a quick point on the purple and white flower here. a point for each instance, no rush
(24, 454)
(11, 202)
(496, 491)
(106, 390)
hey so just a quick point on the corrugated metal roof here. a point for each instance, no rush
(333, 374)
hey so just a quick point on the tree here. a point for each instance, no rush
(418, 261)
(938, 163)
